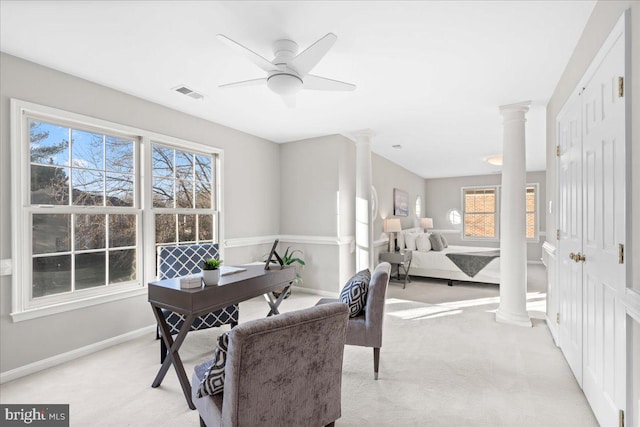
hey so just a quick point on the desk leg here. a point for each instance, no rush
(172, 355)
(406, 274)
(275, 303)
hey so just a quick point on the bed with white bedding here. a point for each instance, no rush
(436, 263)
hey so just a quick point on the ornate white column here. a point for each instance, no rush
(364, 219)
(513, 240)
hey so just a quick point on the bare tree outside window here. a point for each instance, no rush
(97, 171)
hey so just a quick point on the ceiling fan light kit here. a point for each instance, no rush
(284, 84)
(288, 73)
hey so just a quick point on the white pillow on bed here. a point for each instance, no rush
(410, 241)
(422, 242)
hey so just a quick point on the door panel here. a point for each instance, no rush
(569, 279)
(603, 229)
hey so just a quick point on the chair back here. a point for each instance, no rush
(374, 309)
(181, 260)
(286, 369)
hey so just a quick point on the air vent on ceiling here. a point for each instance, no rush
(189, 92)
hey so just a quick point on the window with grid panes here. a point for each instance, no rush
(83, 212)
(532, 203)
(183, 196)
(480, 213)
(79, 226)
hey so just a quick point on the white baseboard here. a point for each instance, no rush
(50, 362)
(553, 328)
(315, 292)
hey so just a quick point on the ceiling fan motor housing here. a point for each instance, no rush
(284, 83)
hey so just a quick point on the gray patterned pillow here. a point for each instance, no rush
(354, 293)
(213, 381)
(436, 242)
(445, 244)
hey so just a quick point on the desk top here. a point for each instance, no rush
(231, 289)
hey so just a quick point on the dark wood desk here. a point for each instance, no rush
(232, 289)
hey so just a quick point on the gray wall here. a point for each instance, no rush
(318, 201)
(251, 200)
(387, 176)
(443, 194)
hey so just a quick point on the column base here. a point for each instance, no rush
(517, 319)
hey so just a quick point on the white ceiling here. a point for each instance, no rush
(430, 75)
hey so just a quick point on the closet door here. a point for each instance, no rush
(569, 278)
(603, 164)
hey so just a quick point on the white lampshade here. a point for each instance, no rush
(426, 222)
(392, 225)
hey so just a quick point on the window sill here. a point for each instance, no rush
(481, 239)
(34, 313)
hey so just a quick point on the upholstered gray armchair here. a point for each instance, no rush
(284, 370)
(366, 329)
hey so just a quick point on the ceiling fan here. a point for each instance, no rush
(288, 73)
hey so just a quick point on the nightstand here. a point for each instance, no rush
(398, 260)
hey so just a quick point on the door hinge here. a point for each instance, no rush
(558, 234)
(558, 150)
(558, 318)
(621, 418)
(620, 253)
(620, 87)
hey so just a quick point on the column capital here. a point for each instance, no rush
(362, 135)
(518, 107)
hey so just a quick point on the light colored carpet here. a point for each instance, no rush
(444, 362)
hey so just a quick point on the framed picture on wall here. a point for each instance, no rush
(400, 203)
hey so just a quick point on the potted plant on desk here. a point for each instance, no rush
(211, 271)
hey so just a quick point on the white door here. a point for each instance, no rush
(603, 183)
(569, 278)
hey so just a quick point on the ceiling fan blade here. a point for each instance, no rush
(252, 82)
(309, 58)
(322, 83)
(289, 101)
(260, 61)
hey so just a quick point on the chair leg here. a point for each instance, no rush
(202, 424)
(376, 362)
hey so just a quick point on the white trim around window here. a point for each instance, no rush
(23, 306)
(497, 188)
(496, 213)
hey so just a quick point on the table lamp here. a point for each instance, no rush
(426, 223)
(392, 225)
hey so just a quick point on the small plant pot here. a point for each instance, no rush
(210, 277)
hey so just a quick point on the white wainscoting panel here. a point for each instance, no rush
(6, 267)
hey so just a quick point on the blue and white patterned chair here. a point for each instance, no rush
(181, 260)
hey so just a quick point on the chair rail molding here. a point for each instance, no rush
(288, 238)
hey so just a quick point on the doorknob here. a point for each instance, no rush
(581, 257)
(572, 256)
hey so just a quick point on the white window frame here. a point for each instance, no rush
(536, 231)
(22, 307)
(498, 189)
(496, 238)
